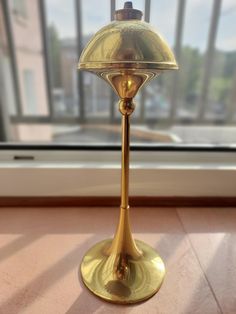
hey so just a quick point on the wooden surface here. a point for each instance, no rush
(41, 249)
(108, 201)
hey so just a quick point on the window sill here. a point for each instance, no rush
(152, 174)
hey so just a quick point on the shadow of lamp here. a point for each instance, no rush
(126, 53)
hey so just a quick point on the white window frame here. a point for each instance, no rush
(97, 173)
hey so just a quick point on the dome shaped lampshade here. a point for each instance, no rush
(127, 44)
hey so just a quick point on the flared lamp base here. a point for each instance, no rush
(122, 279)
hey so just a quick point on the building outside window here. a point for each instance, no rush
(19, 8)
(29, 92)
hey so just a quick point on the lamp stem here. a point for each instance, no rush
(123, 242)
(125, 161)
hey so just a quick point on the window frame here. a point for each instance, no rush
(35, 165)
(74, 170)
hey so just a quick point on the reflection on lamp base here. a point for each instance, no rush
(120, 278)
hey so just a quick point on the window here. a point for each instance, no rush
(45, 100)
(45, 92)
(19, 7)
(29, 92)
(60, 31)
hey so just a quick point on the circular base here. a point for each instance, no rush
(143, 277)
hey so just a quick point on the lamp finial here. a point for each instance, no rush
(128, 13)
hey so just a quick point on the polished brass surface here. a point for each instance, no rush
(127, 53)
(120, 278)
(129, 44)
(126, 83)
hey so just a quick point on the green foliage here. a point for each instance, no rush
(189, 75)
(222, 77)
(54, 55)
(220, 89)
(230, 64)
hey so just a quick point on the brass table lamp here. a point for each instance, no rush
(127, 53)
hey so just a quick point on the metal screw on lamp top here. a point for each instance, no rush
(126, 53)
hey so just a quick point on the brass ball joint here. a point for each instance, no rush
(126, 53)
(126, 106)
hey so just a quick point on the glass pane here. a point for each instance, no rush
(160, 10)
(19, 8)
(28, 46)
(97, 93)
(63, 56)
(7, 96)
(169, 109)
(222, 94)
(190, 74)
(29, 91)
(157, 100)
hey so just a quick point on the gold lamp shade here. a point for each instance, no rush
(126, 53)
(127, 46)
